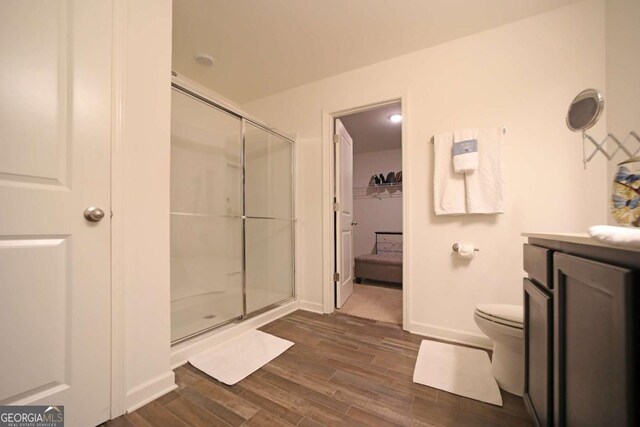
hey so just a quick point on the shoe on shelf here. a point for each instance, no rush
(391, 178)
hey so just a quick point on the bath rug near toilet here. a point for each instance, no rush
(459, 370)
(241, 356)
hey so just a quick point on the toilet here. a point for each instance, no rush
(503, 324)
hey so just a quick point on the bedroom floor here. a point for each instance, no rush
(375, 301)
(342, 371)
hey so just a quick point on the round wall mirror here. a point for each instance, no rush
(585, 110)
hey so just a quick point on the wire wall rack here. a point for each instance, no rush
(379, 191)
(629, 145)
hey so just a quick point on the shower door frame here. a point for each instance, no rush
(185, 90)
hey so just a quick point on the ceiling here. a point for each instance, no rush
(262, 47)
(371, 130)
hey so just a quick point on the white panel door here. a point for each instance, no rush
(55, 117)
(344, 215)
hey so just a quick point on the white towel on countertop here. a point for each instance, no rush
(465, 150)
(448, 187)
(618, 236)
(485, 186)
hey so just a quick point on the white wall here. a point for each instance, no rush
(523, 76)
(373, 214)
(622, 94)
(141, 200)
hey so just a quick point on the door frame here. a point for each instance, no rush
(328, 185)
(118, 88)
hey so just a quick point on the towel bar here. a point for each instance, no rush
(503, 128)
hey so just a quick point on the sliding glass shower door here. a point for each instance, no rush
(206, 216)
(232, 228)
(269, 218)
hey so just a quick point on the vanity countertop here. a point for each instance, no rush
(579, 238)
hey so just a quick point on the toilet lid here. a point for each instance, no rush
(512, 314)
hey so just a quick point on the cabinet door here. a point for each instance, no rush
(538, 355)
(592, 382)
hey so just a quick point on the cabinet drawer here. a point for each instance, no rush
(388, 243)
(537, 263)
(388, 238)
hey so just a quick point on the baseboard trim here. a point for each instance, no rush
(313, 307)
(183, 351)
(452, 335)
(150, 390)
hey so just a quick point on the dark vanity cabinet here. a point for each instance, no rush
(538, 334)
(581, 333)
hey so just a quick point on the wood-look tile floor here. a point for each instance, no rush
(342, 371)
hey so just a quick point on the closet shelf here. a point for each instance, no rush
(379, 196)
(379, 191)
(378, 186)
(389, 184)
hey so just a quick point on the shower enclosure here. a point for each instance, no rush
(232, 216)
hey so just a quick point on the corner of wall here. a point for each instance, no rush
(314, 307)
(146, 392)
(451, 335)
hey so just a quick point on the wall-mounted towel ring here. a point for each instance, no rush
(455, 248)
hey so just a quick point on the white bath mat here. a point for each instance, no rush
(460, 370)
(239, 357)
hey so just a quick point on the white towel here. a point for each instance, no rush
(485, 186)
(465, 161)
(448, 187)
(617, 236)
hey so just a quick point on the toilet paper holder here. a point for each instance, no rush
(455, 248)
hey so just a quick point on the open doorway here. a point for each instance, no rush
(368, 213)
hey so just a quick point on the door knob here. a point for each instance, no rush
(354, 223)
(93, 214)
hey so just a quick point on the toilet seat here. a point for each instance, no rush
(502, 314)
